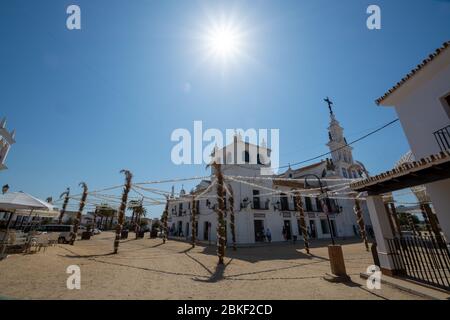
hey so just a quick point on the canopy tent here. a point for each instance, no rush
(15, 201)
(38, 213)
(12, 201)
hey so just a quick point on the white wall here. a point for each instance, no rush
(421, 113)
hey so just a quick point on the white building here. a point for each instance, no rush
(422, 102)
(267, 202)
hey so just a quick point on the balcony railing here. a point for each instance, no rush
(442, 137)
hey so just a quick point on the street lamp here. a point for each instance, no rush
(323, 195)
(5, 188)
(336, 256)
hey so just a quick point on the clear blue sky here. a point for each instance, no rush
(88, 103)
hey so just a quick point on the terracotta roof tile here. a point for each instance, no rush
(404, 169)
(419, 67)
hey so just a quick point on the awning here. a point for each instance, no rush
(430, 169)
(11, 201)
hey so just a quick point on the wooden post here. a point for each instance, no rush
(232, 218)
(220, 213)
(79, 213)
(395, 218)
(64, 206)
(360, 221)
(164, 220)
(301, 212)
(194, 213)
(122, 208)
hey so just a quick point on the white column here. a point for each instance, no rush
(382, 230)
(440, 197)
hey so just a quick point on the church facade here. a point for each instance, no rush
(266, 204)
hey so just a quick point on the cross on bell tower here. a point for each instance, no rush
(330, 103)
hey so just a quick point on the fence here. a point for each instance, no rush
(422, 258)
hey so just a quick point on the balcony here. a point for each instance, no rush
(442, 137)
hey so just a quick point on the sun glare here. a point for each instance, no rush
(223, 42)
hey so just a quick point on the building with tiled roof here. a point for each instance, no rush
(264, 202)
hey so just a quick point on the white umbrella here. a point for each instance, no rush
(20, 200)
(13, 201)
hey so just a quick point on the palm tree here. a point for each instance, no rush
(79, 213)
(132, 205)
(122, 208)
(64, 206)
(164, 218)
(105, 211)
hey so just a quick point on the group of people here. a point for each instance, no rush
(266, 235)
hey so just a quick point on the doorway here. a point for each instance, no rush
(179, 228)
(312, 229)
(206, 230)
(287, 231)
(259, 230)
(187, 230)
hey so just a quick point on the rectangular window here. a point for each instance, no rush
(445, 100)
(324, 226)
(308, 204)
(256, 202)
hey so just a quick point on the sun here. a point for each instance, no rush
(224, 42)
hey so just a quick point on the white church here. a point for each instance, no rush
(263, 203)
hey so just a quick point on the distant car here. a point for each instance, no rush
(81, 229)
(65, 231)
(96, 231)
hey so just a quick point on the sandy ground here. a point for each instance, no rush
(148, 269)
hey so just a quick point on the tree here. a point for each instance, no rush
(122, 208)
(138, 212)
(105, 211)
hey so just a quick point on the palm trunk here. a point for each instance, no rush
(232, 224)
(220, 214)
(122, 208)
(79, 213)
(164, 220)
(194, 213)
(64, 206)
(299, 209)
(361, 224)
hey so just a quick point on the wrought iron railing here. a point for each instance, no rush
(422, 258)
(442, 137)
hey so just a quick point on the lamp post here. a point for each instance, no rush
(336, 256)
(323, 194)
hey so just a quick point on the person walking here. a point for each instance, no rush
(269, 235)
